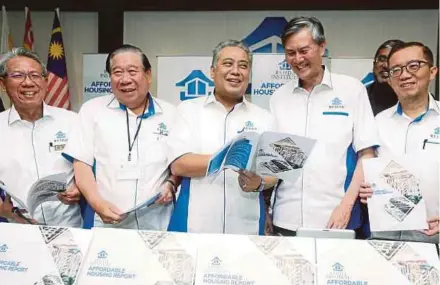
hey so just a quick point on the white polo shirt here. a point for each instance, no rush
(338, 115)
(101, 141)
(400, 135)
(203, 127)
(30, 151)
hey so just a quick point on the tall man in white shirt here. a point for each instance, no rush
(334, 110)
(32, 138)
(411, 127)
(123, 136)
(204, 125)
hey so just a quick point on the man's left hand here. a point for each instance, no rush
(167, 193)
(71, 196)
(433, 224)
(340, 217)
(249, 181)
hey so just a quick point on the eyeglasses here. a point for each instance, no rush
(381, 59)
(21, 76)
(411, 67)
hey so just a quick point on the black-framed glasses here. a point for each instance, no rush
(411, 67)
(21, 76)
(381, 58)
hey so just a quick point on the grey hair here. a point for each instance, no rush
(229, 43)
(19, 51)
(298, 23)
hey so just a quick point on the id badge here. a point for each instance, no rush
(129, 171)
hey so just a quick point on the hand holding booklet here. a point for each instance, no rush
(273, 154)
(43, 190)
(405, 192)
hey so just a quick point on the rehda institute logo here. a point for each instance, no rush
(195, 85)
(338, 276)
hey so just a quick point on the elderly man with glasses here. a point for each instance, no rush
(412, 126)
(380, 93)
(33, 136)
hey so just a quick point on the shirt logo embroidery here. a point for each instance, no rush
(59, 142)
(248, 127)
(162, 130)
(336, 103)
(436, 133)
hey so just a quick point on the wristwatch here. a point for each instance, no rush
(261, 186)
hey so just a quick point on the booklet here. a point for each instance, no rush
(130, 257)
(405, 191)
(43, 190)
(41, 255)
(255, 260)
(273, 154)
(376, 262)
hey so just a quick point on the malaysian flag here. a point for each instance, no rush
(57, 89)
(28, 41)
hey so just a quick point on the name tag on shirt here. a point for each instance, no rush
(129, 171)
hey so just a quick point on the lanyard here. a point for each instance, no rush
(131, 144)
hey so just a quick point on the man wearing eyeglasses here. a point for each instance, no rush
(412, 126)
(380, 93)
(33, 135)
(122, 137)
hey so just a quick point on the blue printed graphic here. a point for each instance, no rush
(196, 84)
(239, 154)
(215, 164)
(284, 66)
(266, 38)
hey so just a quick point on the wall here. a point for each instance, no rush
(349, 33)
(80, 35)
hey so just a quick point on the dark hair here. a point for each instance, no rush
(427, 53)
(387, 44)
(229, 43)
(127, 48)
(298, 23)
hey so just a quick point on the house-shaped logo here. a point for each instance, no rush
(196, 84)
(3, 248)
(60, 135)
(266, 38)
(336, 101)
(437, 131)
(102, 254)
(216, 261)
(338, 267)
(284, 66)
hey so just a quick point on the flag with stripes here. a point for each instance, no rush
(58, 89)
(28, 41)
(6, 42)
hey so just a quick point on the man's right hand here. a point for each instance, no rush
(7, 211)
(365, 192)
(108, 212)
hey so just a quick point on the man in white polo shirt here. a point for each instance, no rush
(123, 136)
(203, 126)
(32, 137)
(411, 127)
(334, 110)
